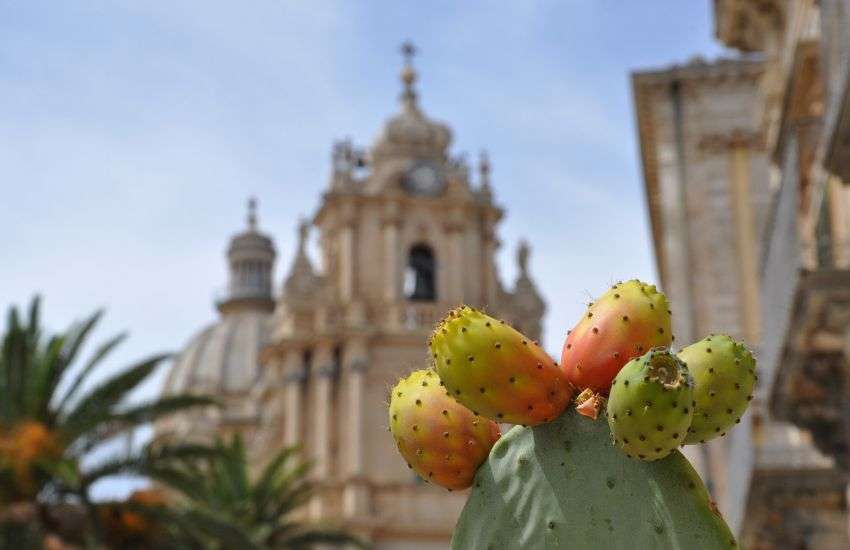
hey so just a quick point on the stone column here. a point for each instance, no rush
(392, 264)
(746, 247)
(491, 244)
(391, 221)
(294, 376)
(324, 372)
(455, 267)
(355, 498)
(347, 255)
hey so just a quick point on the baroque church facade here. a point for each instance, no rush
(405, 233)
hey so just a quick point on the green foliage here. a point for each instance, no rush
(223, 506)
(53, 412)
(564, 485)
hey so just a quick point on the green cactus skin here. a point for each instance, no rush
(496, 371)
(564, 485)
(724, 374)
(651, 405)
(441, 440)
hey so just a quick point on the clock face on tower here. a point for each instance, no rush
(425, 179)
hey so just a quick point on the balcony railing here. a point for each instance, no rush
(422, 315)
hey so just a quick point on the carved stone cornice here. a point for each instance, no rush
(747, 24)
(715, 143)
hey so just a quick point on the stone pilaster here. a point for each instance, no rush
(392, 264)
(455, 235)
(347, 252)
(491, 244)
(294, 376)
(323, 371)
(355, 498)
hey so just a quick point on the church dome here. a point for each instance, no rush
(410, 132)
(223, 358)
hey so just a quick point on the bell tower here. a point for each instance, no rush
(405, 233)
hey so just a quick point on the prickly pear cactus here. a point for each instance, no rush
(496, 371)
(651, 405)
(563, 485)
(627, 321)
(724, 373)
(441, 440)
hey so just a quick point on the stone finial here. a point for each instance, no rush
(484, 168)
(522, 254)
(303, 234)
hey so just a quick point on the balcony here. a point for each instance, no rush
(806, 319)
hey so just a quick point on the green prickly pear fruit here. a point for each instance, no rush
(650, 406)
(563, 485)
(441, 440)
(627, 321)
(724, 374)
(493, 369)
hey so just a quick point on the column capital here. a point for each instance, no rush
(361, 364)
(295, 376)
(391, 214)
(327, 370)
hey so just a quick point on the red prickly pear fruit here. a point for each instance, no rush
(724, 372)
(627, 321)
(651, 405)
(494, 370)
(441, 440)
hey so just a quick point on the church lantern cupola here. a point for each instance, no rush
(250, 258)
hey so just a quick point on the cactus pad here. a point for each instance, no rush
(564, 485)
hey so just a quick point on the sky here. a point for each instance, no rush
(133, 132)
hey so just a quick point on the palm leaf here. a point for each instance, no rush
(309, 538)
(97, 406)
(100, 353)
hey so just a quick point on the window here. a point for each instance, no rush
(420, 280)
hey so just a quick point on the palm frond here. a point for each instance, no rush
(100, 353)
(96, 406)
(311, 537)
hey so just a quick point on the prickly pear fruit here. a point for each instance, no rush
(441, 440)
(724, 374)
(627, 321)
(650, 406)
(494, 370)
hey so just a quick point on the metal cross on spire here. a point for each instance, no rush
(408, 50)
(252, 213)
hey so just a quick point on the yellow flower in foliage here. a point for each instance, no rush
(23, 448)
